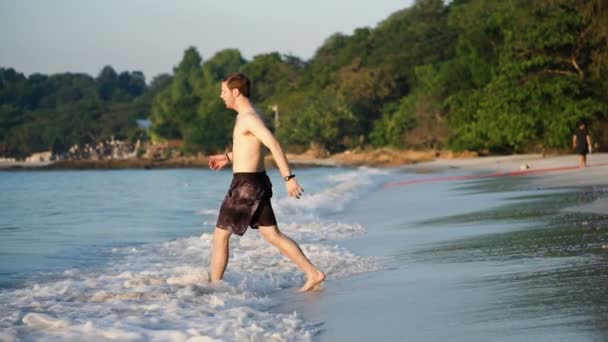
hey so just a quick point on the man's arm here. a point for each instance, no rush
(574, 141)
(218, 161)
(255, 125)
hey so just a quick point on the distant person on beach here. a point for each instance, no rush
(581, 142)
(247, 202)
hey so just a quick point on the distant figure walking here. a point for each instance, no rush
(581, 142)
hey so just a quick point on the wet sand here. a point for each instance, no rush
(595, 174)
(500, 259)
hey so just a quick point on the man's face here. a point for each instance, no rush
(228, 96)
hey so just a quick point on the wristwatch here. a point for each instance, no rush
(286, 178)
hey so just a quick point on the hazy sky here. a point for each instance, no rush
(51, 36)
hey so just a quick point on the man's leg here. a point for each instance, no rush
(584, 160)
(219, 255)
(581, 162)
(290, 249)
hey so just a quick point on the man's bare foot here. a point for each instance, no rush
(314, 282)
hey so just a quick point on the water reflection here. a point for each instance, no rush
(550, 272)
(538, 205)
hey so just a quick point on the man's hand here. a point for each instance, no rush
(293, 188)
(218, 161)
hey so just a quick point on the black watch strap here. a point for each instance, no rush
(286, 178)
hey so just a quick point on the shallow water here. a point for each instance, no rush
(123, 255)
(547, 275)
(473, 261)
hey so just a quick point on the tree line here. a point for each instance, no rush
(486, 75)
(41, 112)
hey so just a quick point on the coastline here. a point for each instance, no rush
(548, 172)
(469, 275)
(439, 276)
(424, 161)
(557, 171)
(373, 158)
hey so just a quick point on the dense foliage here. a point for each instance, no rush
(486, 75)
(40, 112)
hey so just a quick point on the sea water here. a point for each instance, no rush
(124, 254)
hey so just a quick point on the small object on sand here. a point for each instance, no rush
(524, 166)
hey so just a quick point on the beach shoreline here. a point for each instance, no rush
(423, 160)
(383, 157)
(547, 172)
(557, 171)
(429, 281)
(373, 158)
(441, 274)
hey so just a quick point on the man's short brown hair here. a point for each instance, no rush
(239, 81)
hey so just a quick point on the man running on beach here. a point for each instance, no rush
(247, 202)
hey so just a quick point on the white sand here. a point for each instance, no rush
(594, 175)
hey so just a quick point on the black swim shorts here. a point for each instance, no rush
(247, 203)
(582, 149)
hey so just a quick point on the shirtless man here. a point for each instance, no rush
(247, 202)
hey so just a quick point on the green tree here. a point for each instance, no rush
(175, 107)
(537, 88)
(327, 122)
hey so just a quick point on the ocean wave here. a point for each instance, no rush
(161, 292)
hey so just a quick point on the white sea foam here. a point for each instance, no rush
(161, 292)
(207, 212)
(342, 189)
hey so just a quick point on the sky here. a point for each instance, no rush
(54, 36)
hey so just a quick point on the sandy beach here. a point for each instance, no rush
(594, 174)
(546, 171)
(501, 258)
